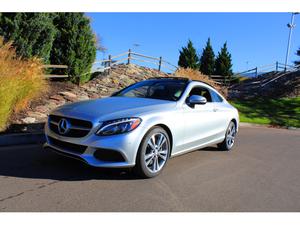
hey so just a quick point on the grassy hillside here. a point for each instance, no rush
(280, 112)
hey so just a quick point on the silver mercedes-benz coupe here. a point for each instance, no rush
(143, 125)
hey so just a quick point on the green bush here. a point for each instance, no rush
(32, 33)
(56, 38)
(74, 45)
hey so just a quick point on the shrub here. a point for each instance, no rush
(56, 38)
(223, 63)
(32, 33)
(197, 75)
(207, 59)
(20, 82)
(74, 46)
(188, 57)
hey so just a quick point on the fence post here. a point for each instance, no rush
(109, 64)
(129, 56)
(277, 66)
(159, 65)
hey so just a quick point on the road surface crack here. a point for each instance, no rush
(11, 196)
(30, 190)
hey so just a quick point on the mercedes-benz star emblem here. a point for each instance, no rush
(63, 126)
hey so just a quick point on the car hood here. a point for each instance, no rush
(112, 108)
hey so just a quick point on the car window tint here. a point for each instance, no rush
(165, 90)
(215, 96)
(156, 89)
(137, 92)
(202, 92)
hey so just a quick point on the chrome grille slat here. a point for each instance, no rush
(53, 122)
(78, 128)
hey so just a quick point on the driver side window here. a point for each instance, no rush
(202, 92)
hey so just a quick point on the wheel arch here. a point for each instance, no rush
(167, 129)
(234, 120)
(235, 123)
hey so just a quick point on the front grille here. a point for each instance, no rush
(108, 155)
(67, 146)
(78, 128)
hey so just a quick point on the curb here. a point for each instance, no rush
(22, 139)
(242, 124)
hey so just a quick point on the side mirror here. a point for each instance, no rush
(196, 100)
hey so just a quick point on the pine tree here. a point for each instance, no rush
(188, 57)
(298, 54)
(207, 60)
(74, 45)
(223, 63)
(32, 34)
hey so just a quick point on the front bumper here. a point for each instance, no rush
(126, 144)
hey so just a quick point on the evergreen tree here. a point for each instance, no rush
(32, 33)
(223, 63)
(298, 54)
(188, 57)
(207, 60)
(74, 45)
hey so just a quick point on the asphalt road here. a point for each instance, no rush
(262, 173)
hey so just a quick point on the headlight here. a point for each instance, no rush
(118, 126)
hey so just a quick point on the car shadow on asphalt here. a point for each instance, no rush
(34, 162)
(210, 149)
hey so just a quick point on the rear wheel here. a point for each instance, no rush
(228, 142)
(153, 153)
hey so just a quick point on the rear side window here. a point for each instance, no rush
(215, 96)
(202, 92)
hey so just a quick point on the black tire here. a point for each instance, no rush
(226, 145)
(141, 168)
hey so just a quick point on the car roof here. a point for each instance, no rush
(170, 78)
(188, 80)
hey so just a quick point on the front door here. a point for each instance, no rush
(200, 121)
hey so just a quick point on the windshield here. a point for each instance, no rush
(157, 89)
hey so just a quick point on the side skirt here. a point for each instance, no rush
(215, 141)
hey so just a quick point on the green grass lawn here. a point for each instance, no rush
(280, 112)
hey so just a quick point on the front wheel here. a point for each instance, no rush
(153, 153)
(228, 142)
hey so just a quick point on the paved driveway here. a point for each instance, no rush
(262, 173)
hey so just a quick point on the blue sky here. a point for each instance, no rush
(254, 39)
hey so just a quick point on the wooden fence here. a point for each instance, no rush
(56, 67)
(130, 56)
(219, 79)
(274, 67)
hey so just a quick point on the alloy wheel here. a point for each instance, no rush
(156, 153)
(231, 132)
